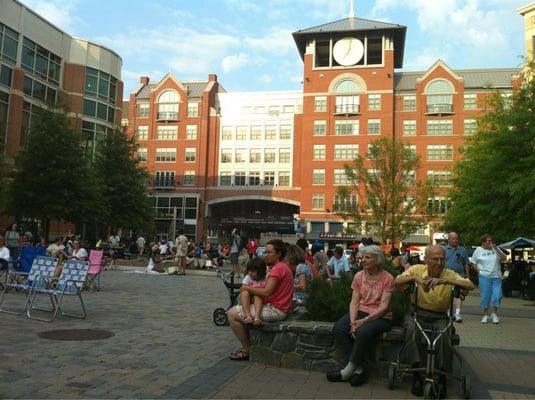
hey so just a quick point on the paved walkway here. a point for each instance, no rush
(166, 346)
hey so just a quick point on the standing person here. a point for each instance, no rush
(181, 252)
(12, 243)
(234, 252)
(140, 243)
(114, 241)
(457, 260)
(337, 264)
(252, 245)
(4, 253)
(486, 259)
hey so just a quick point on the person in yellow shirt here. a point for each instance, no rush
(434, 284)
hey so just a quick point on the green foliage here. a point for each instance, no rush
(494, 185)
(394, 197)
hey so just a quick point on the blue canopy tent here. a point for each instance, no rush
(520, 242)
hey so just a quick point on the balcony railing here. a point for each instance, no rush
(347, 109)
(163, 184)
(439, 108)
(168, 116)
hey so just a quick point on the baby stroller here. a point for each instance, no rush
(432, 337)
(220, 314)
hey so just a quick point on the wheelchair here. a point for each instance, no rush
(431, 337)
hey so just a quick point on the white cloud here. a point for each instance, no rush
(278, 41)
(234, 61)
(266, 78)
(59, 12)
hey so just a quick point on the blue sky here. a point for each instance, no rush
(248, 44)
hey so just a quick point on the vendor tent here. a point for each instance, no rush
(518, 243)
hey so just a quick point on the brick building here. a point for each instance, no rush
(260, 161)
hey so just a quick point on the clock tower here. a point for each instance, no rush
(348, 103)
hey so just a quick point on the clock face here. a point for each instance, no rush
(348, 51)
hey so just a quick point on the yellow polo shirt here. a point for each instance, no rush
(437, 299)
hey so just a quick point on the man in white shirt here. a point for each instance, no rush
(140, 243)
(114, 241)
(4, 253)
(337, 264)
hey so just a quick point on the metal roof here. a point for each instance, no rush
(195, 89)
(473, 78)
(354, 25)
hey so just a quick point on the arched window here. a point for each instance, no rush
(347, 99)
(439, 97)
(168, 105)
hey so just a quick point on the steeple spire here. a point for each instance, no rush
(351, 9)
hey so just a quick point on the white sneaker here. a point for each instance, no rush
(485, 319)
(494, 318)
(458, 318)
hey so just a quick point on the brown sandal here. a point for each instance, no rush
(240, 355)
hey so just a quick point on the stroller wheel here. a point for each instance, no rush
(467, 386)
(220, 317)
(430, 390)
(392, 370)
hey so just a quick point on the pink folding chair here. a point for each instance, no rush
(96, 266)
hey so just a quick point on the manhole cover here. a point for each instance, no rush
(76, 334)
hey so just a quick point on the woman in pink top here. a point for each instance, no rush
(369, 316)
(277, 295)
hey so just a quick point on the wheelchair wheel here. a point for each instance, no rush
(430, 391)
(467, 386)
(392, 371)
(220, 317)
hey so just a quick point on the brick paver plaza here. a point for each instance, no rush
(166, 346)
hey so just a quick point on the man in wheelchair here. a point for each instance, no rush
(432, 299)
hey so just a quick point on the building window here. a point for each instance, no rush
(191, 154)
(440, 127)
(345, 204)
(439, 97)
(167, 132)
(191, 132)
(470, 101)
(470, 126)
(226, 133)
(143, 110)
(225, 179)
(240, 156)
(438, 205)
(269, 155)
(100, 85)
(284, 178)
(4, 104)
(165, 179)
(193, 109)
(318, 177)
(46, 94)
(189, 178)
(273, 111)
(288, 109)
(344, 128)
(142, 154)
(226, 156)
(93, 134)
(166, 154)
(320, 103)
(318, 201)
(254, 178)
(256, 132)
(5, 75)
(168, 103)
(239, 178)
(320, 128)
(242, 132)
(98, 110)
(269, 178)
(346, 151)
(440, 152)
(507, 98)
(9, 42)
(374, 102)
(409, 103)
(255, 156)
(286, 132)
(142, 132)
(411, 148)
(409, 128)
(284, 156)
(260, 110)
(340, 177)
(319, 152)
(439, 178)
(40, 62)
(347, 105)
(374, 126)
(271, 132)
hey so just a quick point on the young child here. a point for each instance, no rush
(256, 278)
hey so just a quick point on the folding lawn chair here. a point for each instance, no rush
(96, 267)
(27, 255)
(42, 269)
(70, 283)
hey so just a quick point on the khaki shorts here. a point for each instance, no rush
(269, 313)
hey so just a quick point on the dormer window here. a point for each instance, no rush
(168, 103)
(347, 97)
(439, 97)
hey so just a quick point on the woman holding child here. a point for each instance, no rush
(277, 298)
(369, 316)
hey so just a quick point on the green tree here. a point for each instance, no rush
(52, 178)
(494, 184)
(395, 199)
(123, 183)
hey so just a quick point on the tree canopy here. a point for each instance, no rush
(386, 179)
(494, 184)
